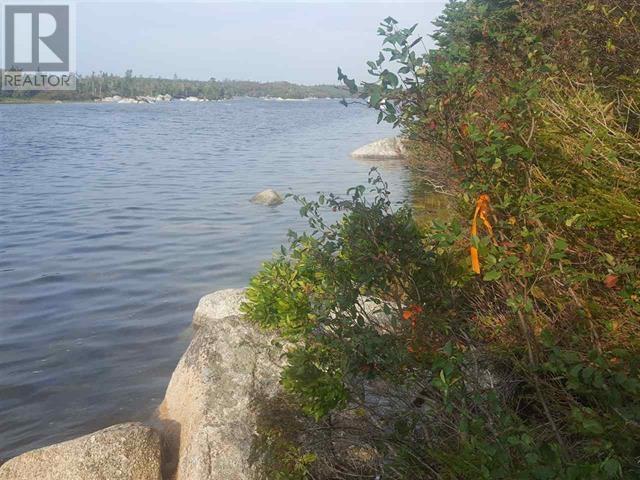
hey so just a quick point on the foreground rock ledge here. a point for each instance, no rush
(385, 149)
(218, 305)
(209, 411)
(129, 451)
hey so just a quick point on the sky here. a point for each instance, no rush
(300, 42)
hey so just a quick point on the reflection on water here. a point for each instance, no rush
(384, 166)
(115, 219)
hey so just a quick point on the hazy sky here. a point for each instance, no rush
(296, 41)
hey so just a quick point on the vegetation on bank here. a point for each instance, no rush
(511, 330)
(97, 86)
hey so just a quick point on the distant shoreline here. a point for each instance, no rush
(46, 101)
(97, 87)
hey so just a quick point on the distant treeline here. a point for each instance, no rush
(96, 86)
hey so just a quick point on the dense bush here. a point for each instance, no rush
(531, 368)
(326, 294)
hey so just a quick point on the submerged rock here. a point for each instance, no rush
(129, 451)
(268, 197)
(209, 411)
(387, 148)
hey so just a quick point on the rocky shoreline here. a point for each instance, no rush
(149, 99)
(206, 424)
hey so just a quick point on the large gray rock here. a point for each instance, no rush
(129, 451)
(268, 197)
(387, 148)
(217, 305)
(210, 407)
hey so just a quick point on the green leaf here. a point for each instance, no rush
(390, 79)
(593, 426)
(492, 275)
(560, 245)
(415, 42)
(375, 98)
(515, 150)
(611, 467)
(351, 84)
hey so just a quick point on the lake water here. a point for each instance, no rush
(116, 219)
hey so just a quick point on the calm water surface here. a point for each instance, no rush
(116, 219)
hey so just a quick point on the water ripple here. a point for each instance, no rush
(115, 223)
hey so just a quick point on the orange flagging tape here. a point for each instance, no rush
(482, 211)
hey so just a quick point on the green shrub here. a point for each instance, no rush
(529, 370)
(278, 297)
(316, 294)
